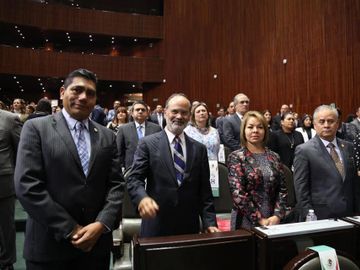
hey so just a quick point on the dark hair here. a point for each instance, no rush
(286, 114)
(118, 110)
(44, 105)
(139, 102)
(81, 72)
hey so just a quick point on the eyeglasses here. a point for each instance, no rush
(244, 102)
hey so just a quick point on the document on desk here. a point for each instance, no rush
(355, 219)
(275, 231)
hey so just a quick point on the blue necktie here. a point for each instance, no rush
(179, 160)
(81, 146)
(139, 132)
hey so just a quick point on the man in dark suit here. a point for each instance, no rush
(129, 134)
(68, 179)
(10, 128)
(158, 117)
(176, 170)
(231, 124)
(324, 173)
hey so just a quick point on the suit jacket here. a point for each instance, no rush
(127, 141)
(231, 132)
(53, 189)
(179, 206)
(155, 120)
(356, 123)
(10, 128)
(318, 183)
(276, 122)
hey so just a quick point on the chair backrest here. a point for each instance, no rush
(223, 203)
(309, 260)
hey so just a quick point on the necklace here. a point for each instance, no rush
(291, 139)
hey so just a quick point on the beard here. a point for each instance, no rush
(176, 127)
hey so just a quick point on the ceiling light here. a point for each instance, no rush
(17, 47)
(112, 42)
(135, 40)
(19, 30)
(17, 82)
(39, 79)
(14, 77)
(67, 33)
(41, 84)
(91, 39)
(16, 26)
(90, 36)
(133, 86)
(46, 40)
(110, 85)
(112, 37)
(20, 34)
(22, 90)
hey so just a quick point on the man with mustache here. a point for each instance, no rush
(68, 179)
(176, 170)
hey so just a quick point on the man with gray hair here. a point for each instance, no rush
(231, 124)
(324, 172)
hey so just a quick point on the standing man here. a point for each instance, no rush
(356, 121)
(176, 170)
(111, 112)
(324, 171)
(129, 134)
(231, 124)
(68, 179)
(276, 121)
(158, 117)
(10, 128)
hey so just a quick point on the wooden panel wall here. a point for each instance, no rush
(244, 42)
(53, 64)
(61, 17)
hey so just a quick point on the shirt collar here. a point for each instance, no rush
(325, 142)
(137, 124)
(171, 136)
(72, 121)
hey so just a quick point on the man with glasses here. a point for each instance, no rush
(68, 179)
(129, 134)
(231, 124)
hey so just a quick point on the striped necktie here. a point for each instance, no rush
(81, 146)
(179, 160)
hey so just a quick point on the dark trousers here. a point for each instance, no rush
(7, 231)
(87, 262)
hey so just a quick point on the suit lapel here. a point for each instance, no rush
(61, 127)
(166, 156)
(134, 133)
(343, 156)
(94, 140)
(190, 154)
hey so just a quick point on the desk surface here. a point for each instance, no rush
(300, 228)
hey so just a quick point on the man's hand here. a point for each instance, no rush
(273, 220)
(86, 237)
(148, 208)
(212, 230)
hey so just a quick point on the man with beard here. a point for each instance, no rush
(176, 171)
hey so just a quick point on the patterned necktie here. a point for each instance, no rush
(336, 159)
(81, 146)
(139, 132)
(179, 160)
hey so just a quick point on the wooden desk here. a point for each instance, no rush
(276, 245)
(217, 251)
